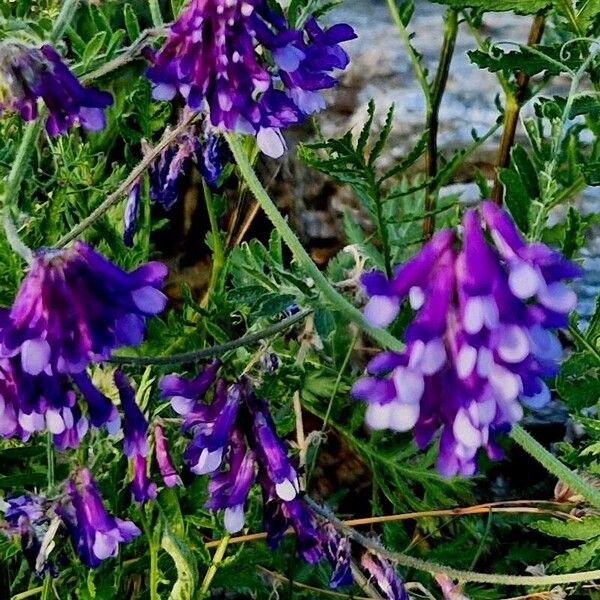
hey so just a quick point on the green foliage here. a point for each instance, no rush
(521, 7)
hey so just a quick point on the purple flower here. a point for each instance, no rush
(217, 58)
(36, 403)
(228, 490)
(96, 534)
(383, 576)
(211, 158)
(165, 464)
(271, 452)
(74, 306)
(135, 443)
(28, 73)
(479, 345)
(132, 208)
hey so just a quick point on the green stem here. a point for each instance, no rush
(336, 387)
(383, 337)
(432, 121)
(217, 350)
(28, 594)
(554, 466)
(47, 588)
(212, 570)
(67, 12)
(153, 537)
(218, 258)
(431, 567)
(155, 13)
(514, 101)
(414, 59)
(50, 463)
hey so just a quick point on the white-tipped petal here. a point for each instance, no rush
(513, 344)
(524, 280)
(464, 431)
(409, 384)
(466, 361)
(233, 518)
(377, 416)
(404, 416)
(473, 318)
(539, 400)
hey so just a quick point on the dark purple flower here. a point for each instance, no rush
(212, 157)
(228, 490)
(217, 58)
(132, 208)
(271, 452)
(95, 533)
(165, 464)
(383, 576)
(135, 442)
(479, 345)
(28, 73)
(74, 306)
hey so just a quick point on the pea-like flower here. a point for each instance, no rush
(165, 464)
(135, 441)
(28, 73)
(242, 63)
(34, 403)
(74, 306)
(480, 343)
(95, 533)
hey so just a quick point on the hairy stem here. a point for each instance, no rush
(218, 350)
(514, 102)
(554, 466)
(67, 12)
(382, 336)
(125, 186)
(431, 567)
(432, 122)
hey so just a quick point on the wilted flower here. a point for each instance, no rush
(130, 215)
(338, 553)
(480, 343)
(135, 442)
(165, 464)
(95, 533)
(383, 576)
(26, 519)
(74, 306)
(217, 58)
(28, 73)
(36, 403)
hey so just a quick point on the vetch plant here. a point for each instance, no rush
(244, 397)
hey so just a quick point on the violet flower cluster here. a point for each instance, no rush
(73, 307)
(246, 66)
(28, 73)
(480, 343)
(94, 532)
(235, 442)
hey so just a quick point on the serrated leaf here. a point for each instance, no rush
(186, 566)
(363, 138)
(524, 166)
(576, 558)
(583, 530)
(131, 22)
(324, 322)
(579, 381)
(383, 137)
(544, 59)
(521, 7)
(517, 198)
(273, 304)
(587, 11)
